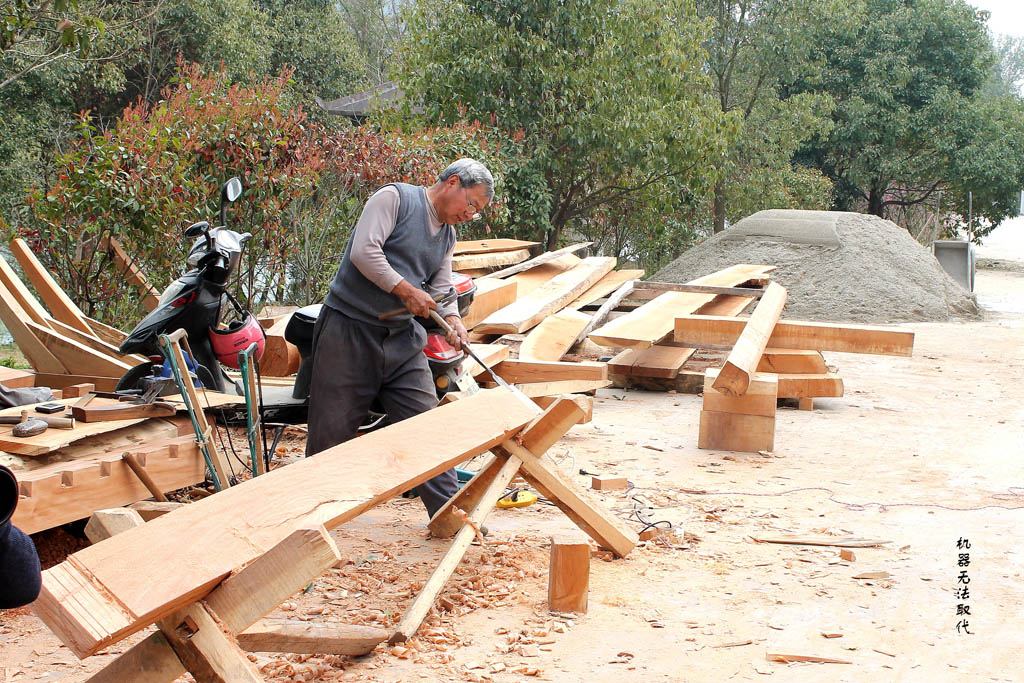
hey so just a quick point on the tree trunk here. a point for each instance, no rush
(875, 201)
(718, 208)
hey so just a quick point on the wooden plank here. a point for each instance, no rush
(209, 654)
(568, 574)
(122, 411)
(13, 378)
(218, 534)
(80, 357)
(530, 280)
(60, 304)
(308, 638)
(546, 257)
(53, 439)
(701, 289)
(716, 330)
(488, 353)
(554, 336)
(238, 602)
(109, 334)
(605, 286)
(790, 361)
(605, 309)
(547, 299)
(485, 246)
(653, 322)
(94, 343)
(742, 361)
(16, 319)
(495, 259)
(761, 397)
(417, 611)
(736, 432)
(490, 296)
(61, 380)
(126, 266)
(63, 492)
(826, 385)
(657, 361)
(20, 294)
(569, 386)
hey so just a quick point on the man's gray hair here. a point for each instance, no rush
(471, 173)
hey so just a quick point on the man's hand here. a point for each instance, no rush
(458, 337)
(415, 299)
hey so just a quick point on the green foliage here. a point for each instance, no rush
(608, 94)
(905, 76)
(159, 169)
(757, 48)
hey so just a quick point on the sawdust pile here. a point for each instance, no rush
(877, 274)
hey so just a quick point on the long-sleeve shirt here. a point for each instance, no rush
(374, 227)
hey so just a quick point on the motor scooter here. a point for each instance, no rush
(194, 302)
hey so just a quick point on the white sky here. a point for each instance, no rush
(1007, 15)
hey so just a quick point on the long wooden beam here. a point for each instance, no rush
(90, 601)
(76, 355)
(59, 303)
(20, 293)
(742, 362)
(696, 330)
(522, 371)
(125, 264)
(17, 320)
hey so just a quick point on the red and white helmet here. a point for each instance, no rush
(238, 335)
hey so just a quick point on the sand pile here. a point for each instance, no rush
(836, 266)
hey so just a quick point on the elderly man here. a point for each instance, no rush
(400, 254)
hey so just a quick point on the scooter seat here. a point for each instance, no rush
(299, 330)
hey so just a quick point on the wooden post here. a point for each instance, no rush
(742, 362)
(569, 574)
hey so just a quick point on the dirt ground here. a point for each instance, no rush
(920, 453)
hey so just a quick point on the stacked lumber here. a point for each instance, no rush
(738, 412)
(58, 339)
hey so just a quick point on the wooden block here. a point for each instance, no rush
(280, 357)
(848, 555)
(742, 362)
(735, 432)
(716, 330)
(151, 509)
(806, 403)
(761, 397)
(77, 390)
(304, 637)
(106, 523)
(605, 483)
(829, 385)
(209, 654)
(569, 574)
(788, 361)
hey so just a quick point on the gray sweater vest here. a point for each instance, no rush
(411, 250)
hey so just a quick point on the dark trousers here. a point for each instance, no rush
(20, 579)
(355, 363)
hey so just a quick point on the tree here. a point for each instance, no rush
(755, 49)
(609, 94)
(378, 30)
(904, 76)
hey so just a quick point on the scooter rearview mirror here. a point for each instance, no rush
(232, 189)
(197, 229)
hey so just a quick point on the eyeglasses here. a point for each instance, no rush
(472, 206)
